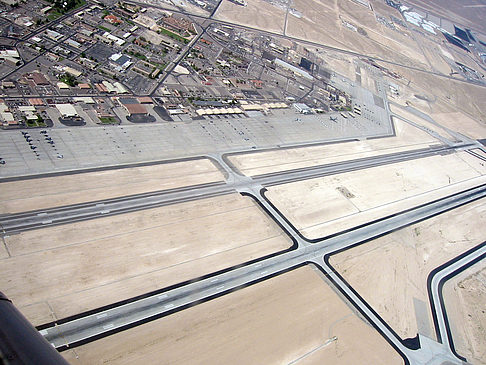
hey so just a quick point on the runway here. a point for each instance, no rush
(14, 223)
(87, 327)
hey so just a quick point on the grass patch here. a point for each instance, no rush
(104, 28)
(35, 123)
(173, 35)
(68, 79)
(54, 14)
(57, 11)
(138, 55)
(109, 120)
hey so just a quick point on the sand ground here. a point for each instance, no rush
(258, 14)
(322, 206)
(465, 298)
(401, 262)
(462, 123)
(444, 95)
(414, 118)
(273, 322)
(60, 271)
(322, 22)
(3, 250)
(479, 152)
(48, 192)
(407, 138)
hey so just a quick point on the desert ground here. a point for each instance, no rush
(444, 96)
(63, 270)
(339, 63)
(375, 39)
(258, 14)
(407, 138)
(48, 192)
(324, 22)
(395, 285)
(322, 206)
(273, 322)
(425, 123)
(446, 116)
(462, 123)
(465, 296)
(479, 152)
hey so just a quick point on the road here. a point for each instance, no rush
(15, 223)
(436, 281)
(40, 30)
(303, 41)
(84, 328)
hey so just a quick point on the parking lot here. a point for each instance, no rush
(83, 147)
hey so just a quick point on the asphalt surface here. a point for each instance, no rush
(15, 223)
(302, 41)
(85, 328)
(435, 283)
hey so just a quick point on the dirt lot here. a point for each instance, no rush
(272, 322)
(258, 14)
(322, 206)
(48, 192)
(395, 285)
(407, 138)
(465, 296)
(76, 267)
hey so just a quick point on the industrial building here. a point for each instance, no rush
(67, 110)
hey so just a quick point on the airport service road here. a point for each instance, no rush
(439, 277)
(14, 223)
(85, 328)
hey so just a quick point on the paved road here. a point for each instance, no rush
(436, 281)
(302, 41)
(95, 325)
(15, 223)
